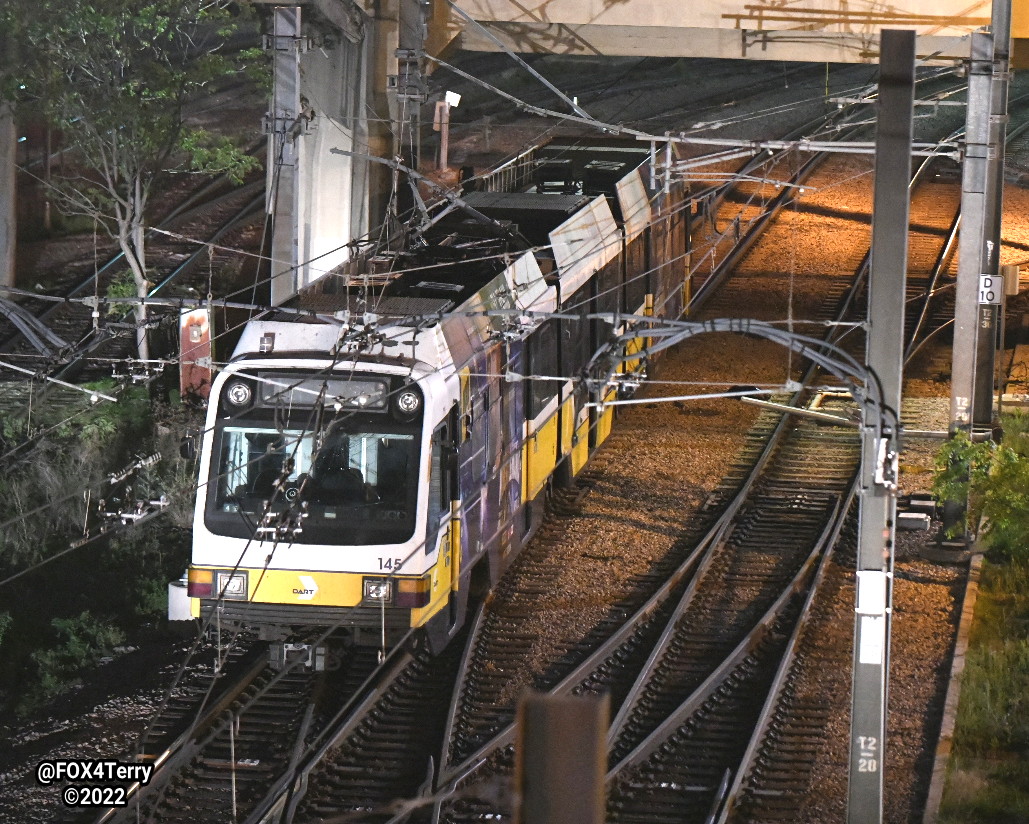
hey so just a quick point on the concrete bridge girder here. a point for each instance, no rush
(844, 31)
(349, 76)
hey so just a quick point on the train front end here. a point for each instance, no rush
(319, 480)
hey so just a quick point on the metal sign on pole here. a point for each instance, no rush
(880, 422)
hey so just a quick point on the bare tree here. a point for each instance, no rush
(116, 77)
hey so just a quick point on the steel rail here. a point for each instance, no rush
(450, 776)
(285, 793)
(177, 751)
(781, 678)
(748, 643)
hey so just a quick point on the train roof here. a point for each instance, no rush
(532, 215)
(458, 254)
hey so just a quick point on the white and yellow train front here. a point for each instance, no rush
(322, 500)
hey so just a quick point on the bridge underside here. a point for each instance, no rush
(839, 31)
(666, 41)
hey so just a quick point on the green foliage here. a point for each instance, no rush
(82, 641)
(116, 79)
(1002, 609)
(994, 480)
(988, 780)
(153, 599)
(962, 469)
(990, 792)
(1016, 432)
(215, 154)
(85, 447)
(994, 711)
(45, 640)
(121, 286)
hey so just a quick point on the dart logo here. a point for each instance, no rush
(307, 590)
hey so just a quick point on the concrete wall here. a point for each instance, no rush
(317, 178)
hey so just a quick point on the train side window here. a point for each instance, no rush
(542, 362)
(575, 333)
(439, 484)
(575, 346)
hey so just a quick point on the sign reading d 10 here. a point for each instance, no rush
(991, 289)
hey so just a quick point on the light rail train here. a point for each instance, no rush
(369, 467)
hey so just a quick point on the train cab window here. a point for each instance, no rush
(355, 483)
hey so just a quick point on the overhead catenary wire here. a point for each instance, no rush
(182, 303)
(686, 204)
(791, 319)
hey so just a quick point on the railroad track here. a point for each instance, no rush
(377, 732)
(220, 749)
(675, 691)
(771, 779)
(688, 720)
(390, 734)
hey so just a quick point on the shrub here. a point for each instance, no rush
(83, 641)
(994, 481)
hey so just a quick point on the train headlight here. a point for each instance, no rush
(407, 404)
(239, 393)
(232, 586)
(378, 589)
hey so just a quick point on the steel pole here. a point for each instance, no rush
(986, 383)
(880, 421)
(285, 44)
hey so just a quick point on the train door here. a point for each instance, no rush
(493, 511)
(607, 291)
(575, 351)
(472, 455)
(542, 448)
(513, 417)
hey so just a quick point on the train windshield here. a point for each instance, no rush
(356, 483)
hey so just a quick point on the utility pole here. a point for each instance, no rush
(880, 422)
(8, 182)
(406, 94)
(979, 295)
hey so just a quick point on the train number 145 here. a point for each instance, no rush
(392, 564)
